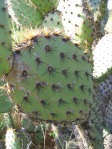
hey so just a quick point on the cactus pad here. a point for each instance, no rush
(102, 56)
(25, 14)
(5, 39)
(5, 103)
(53, 21)
(52, 79)
(77, 22)
(108, 115)
(45, 6)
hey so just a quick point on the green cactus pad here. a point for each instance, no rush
(24, 14)
(52, 80)
(53, 21)
(92, 129)
(77, 23)
(45, 6)
(5, 103)
(5, 39)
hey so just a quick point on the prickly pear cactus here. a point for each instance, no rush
(77, 22)
(99, 13)
(97, 8)
(45, 6)
(94, 6)
(108, 115)
(24, 14)
(52, 79)
(103, 60)
(53, 21)
(105, 91)
(5, 39)
(5, 101)
(105, 87)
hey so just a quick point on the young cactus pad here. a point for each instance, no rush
(53, 21)
(5, 39)
(45, 6)
(52, 80)
(25, 14)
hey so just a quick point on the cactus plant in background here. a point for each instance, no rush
(103, 60)
(97, 8)
(76, 16)
(48, 73)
